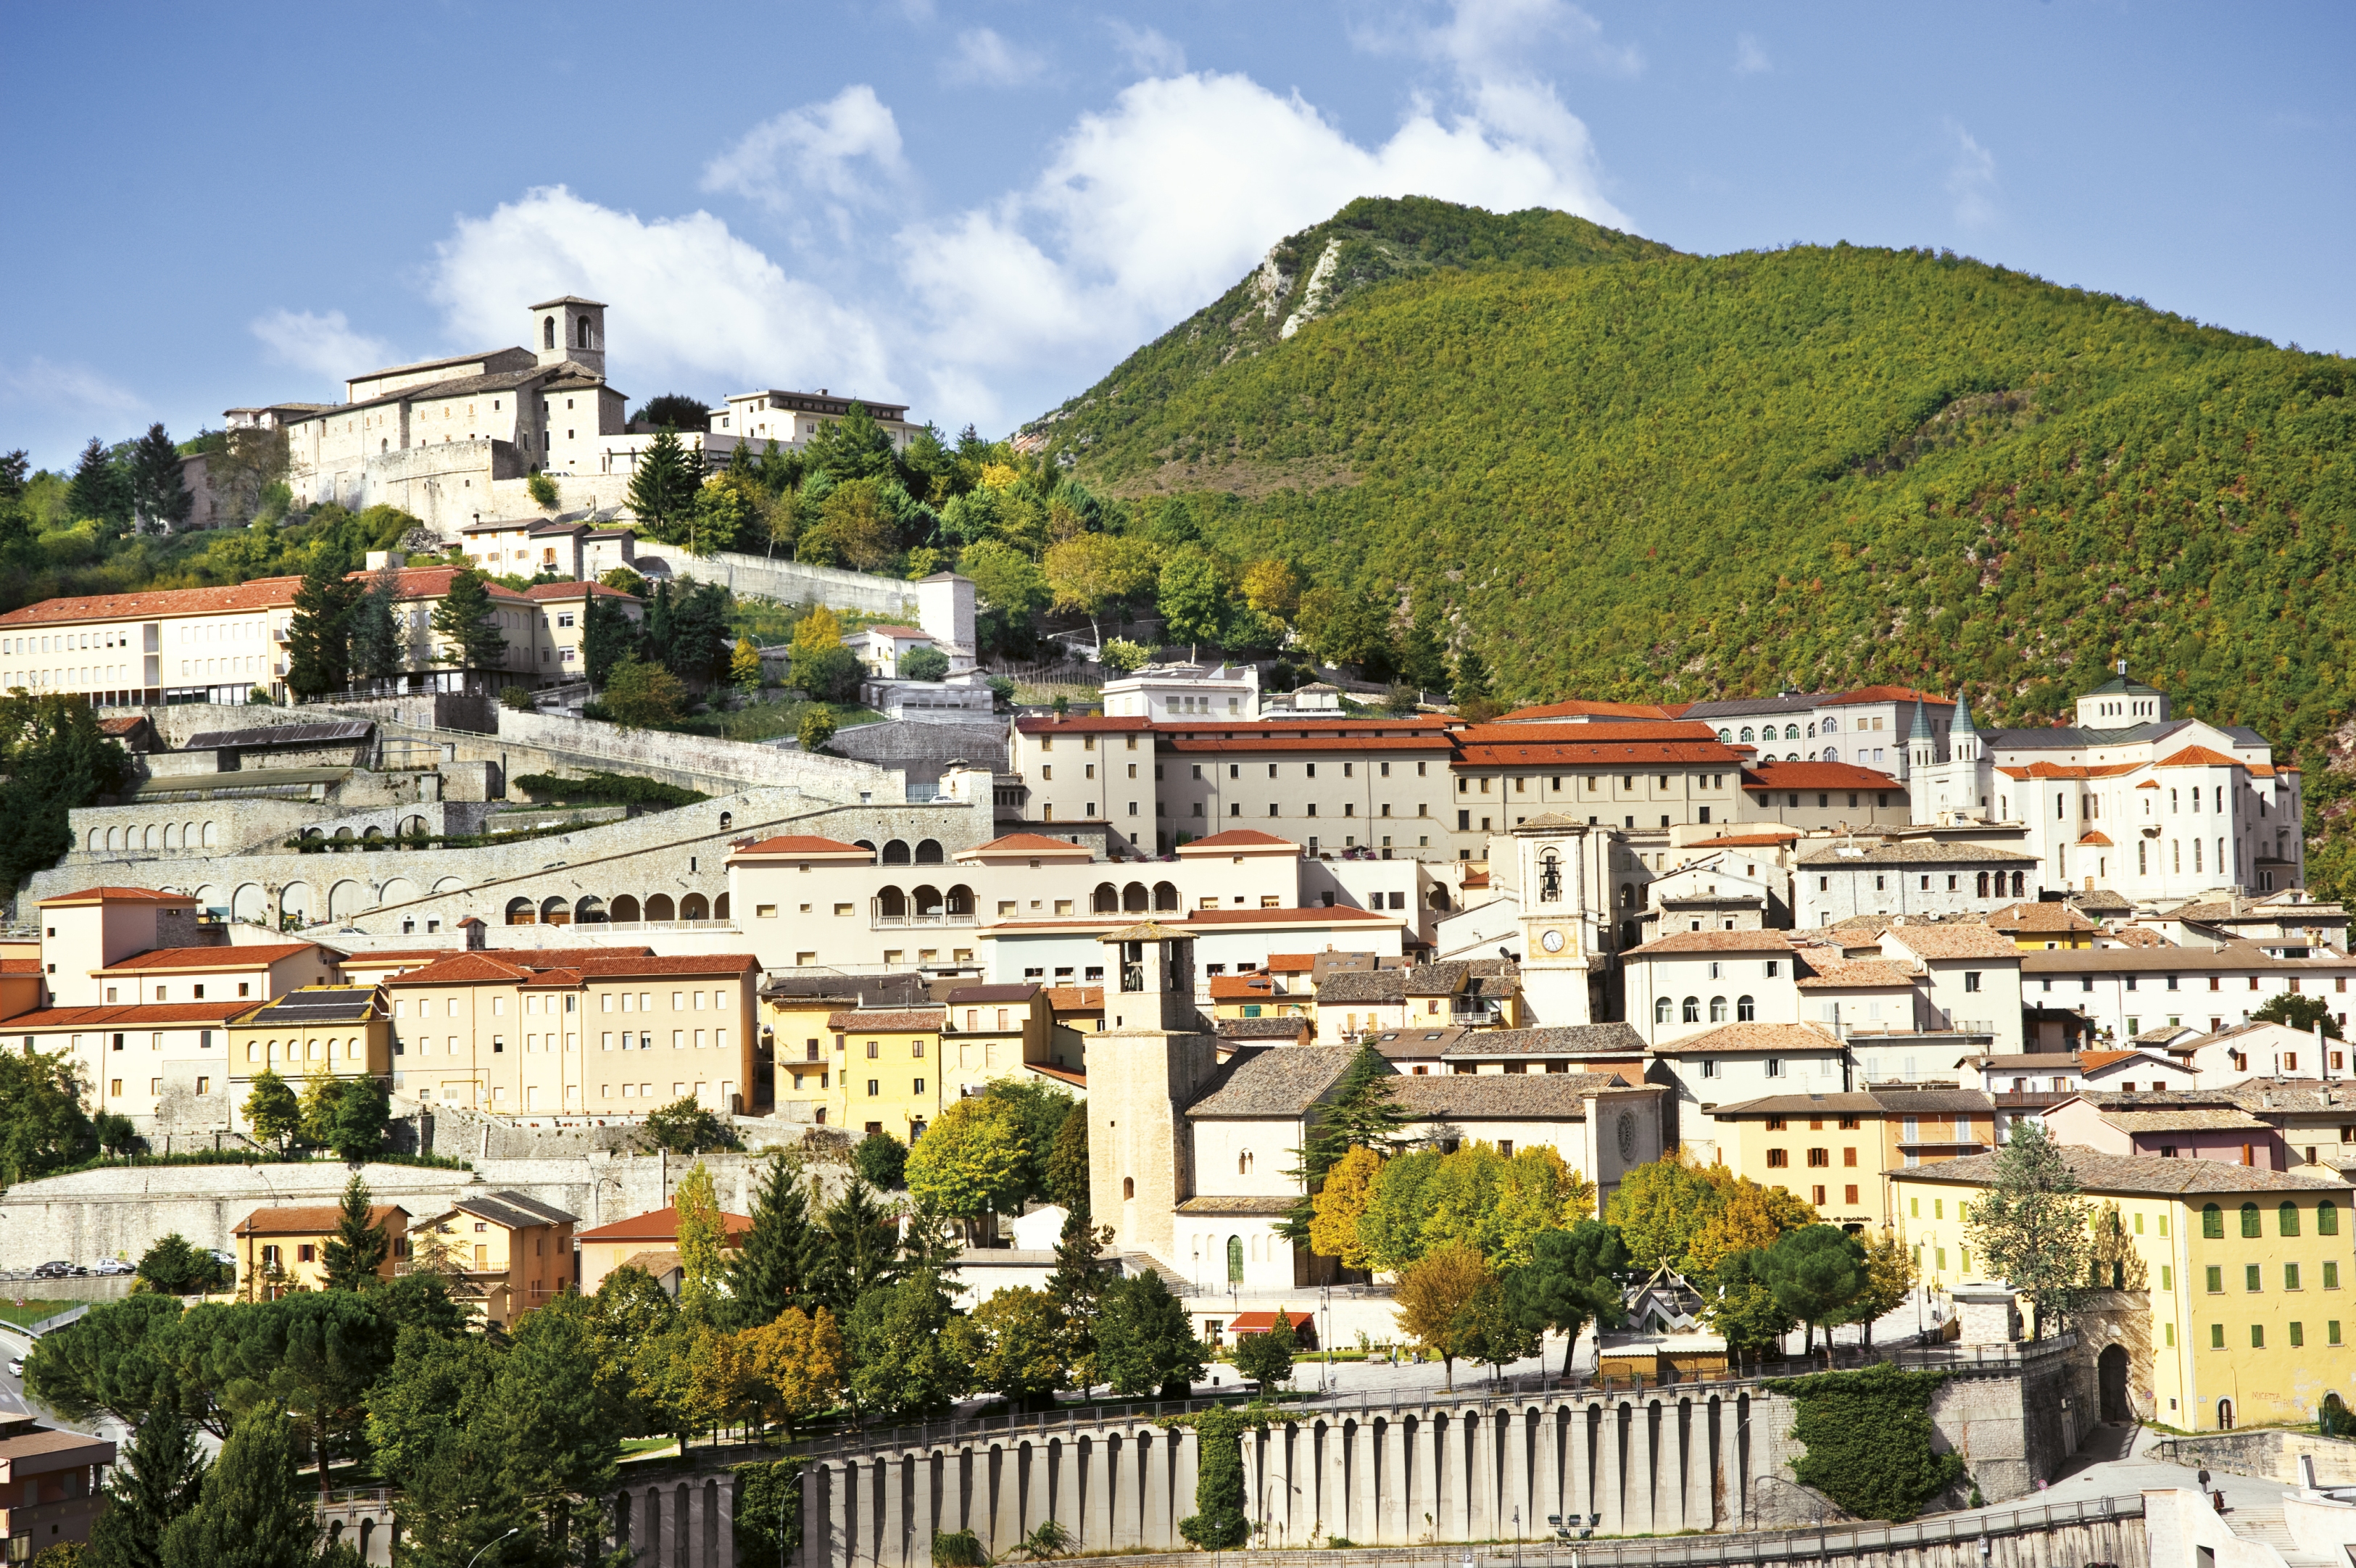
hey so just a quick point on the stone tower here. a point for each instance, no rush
(1554, 857)
(570, 328)
(1151, 1061)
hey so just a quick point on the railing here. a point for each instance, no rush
(938, 918)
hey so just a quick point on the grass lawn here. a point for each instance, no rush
(32, 1312)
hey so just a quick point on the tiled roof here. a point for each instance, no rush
(1598, 753)
(262, 593)
(896, 1020)
(1246, 741)
(1888, 694)
(2136, 1174)
(2199, 757)
(513, 1210)
(311, 1220)
(1911, 852)
(1018, 990)
(1279, 1081)
(1502, 1096)
(2190, 1119)
(1028, 843)
(2139, 937)
(134, 1015)
(1241, 1207)
(1075, 998)
(1584, 735)
(1765, 838)
(1081, 725)
(1797, 1038)
(1290, 962)
(576, 591)
(1363, 986)
(656, 1225)
(2095, 1061)
(1950, 940)
(1815, 776)
(525, 966)
(2230, 955)
(1560, 1040)
(248, 957)
(804, 844)
(115, 896)
(1851, 1104)
(1239, 838)
(2039, 918)
(1841, 974)
(1275, 1026)
(1243, 987)
(1581, 709)
(1077, 1076)
(1715, 941)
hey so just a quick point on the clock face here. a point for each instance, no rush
(1551, 941)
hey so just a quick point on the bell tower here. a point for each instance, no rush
(570, 328)
(1151, 1061)
(1555, 859)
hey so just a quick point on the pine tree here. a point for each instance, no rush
(777, 1263)
(663, 487)
(1361, 1116)
(1420, 660)
(1077, 1287)
(375, 640)
(156, 494)
(2030, 1225)
(1471, 677)
(318, 636)
(250, 1514)
(608, 636)
(857, 1251)
(99, 489)
(161, 1477)
(464, 620)
(360, 1246)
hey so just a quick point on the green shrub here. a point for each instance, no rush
(1218, 1522)
(923, 664)
(516, 698)
(543, 490)
(595, 789)
(1868, 1440)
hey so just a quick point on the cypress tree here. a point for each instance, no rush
(252, 1514)
(359, 1248)
(663, 487)
(160, 1479)
(318, 636)
(156, 494)
(375, 642)
(778, 1260)
(465, 621)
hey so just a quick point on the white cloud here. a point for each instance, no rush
(1750, 57)
(989, 60)
(841, 147)
(1487, 39)
(1151, 209)
(45, 384)
(325, 345)
(1148, 50)
(1971, 179)
(691, 302)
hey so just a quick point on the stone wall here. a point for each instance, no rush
(789, 582)
(695, 761)
(922, 751)
(2271, 1454)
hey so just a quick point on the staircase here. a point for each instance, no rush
(1134, 1264)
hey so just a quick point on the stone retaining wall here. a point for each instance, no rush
(788, 582)
(2271, 1454)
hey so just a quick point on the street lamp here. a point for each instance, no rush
(487, 1545)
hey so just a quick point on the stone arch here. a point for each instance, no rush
(1134, 898)
(863, 843)
(170, 833)
(926, 901)
(589, 910)
(695, 906)
(211, 839)
(101, 839)
(344, 835)
(149, 836)
(247, 902)
(368, 1534)
(372, 835)
(294, 903)
(1165, 895)
(414, 827)
(1105, 901)
(345, 899)
(895, 852)
(307, 833)
(556, 910)
(188, 835)
(449, 884)
(928, 851)
(548, 332)
(660, 907)
(521, 912)
(626, 908)
(719, 908)
(396, 890)
(1440, 899)
(208, 897)
(891, 903)
(959, 900)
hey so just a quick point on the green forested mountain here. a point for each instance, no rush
(1623, 472)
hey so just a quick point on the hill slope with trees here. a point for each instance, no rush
(1639, 474)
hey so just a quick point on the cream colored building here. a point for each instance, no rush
(509, 1035)
(283, 1250)
(514, 1253)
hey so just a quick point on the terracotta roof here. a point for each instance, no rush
(804, 844)
(2095, 1061)
(2199, 757)
(20, 966)
(1583, 734)
(1239, 838)
(1076, 1079)
(1815, 776)
(1290, 962)
(1715, 941)
(2039, 917)
(1275, 1026)
(1080, 724)
(2191, 1119)
(311, 1220)
(1262, 1322)
(2231, 956)
(2097, 839)
(901, 632)
(2073, 771)
(575, 590)
(42, 1441)
(262, 593)
(1910, 851)
(1888, 694)
(1793, 1037)
(115, 896)
(258, 954)
(130, 1016)
(1841, 974)
(2139, 937)
(524, 966)
(1029, 844)
(1341, 912)
(1319, 744)
(657, 1225)
(1598, 753)
(1075, 998)
(892, 1020)
(1582, 709)
(1950, 940)
(1243, 987)
(1500, 1096)
(122, 726)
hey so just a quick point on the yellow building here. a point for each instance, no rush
(607, 1246)
(992, 1031)
(805, 1078)
(2223, 1288)
(511, 1254)
(888, 1063)
(2034, 927)
(343, 1031)
(279, 1249)
(1839, 1151)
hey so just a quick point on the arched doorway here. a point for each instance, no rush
(1105, 901)
(626, 910)
(1133, 898)
(928, 851)
(1235, 1260)
(2111, 1370)
(896, 853)
(694, 906)
(556, 910)
(658, 907)
(1165, 895)
(2224, 1415)
(521, 912)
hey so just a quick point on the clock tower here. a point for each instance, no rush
(1557, 862)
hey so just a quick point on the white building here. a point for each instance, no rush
(1184, 691)
(2125, 992)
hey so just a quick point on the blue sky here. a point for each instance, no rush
(979, 209)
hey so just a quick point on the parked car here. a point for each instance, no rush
(226, 1259)
(56, 1271)
(16, 1366)
(115, 1266)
